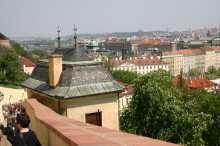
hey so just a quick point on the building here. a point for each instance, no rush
(120, 47)
(4, 41)
(175, 63)
(216, 42)
(139, 65)
(76, 87)
(188, 59)
(125, 96)
(92, 45)
(26, 65)
(150, 46)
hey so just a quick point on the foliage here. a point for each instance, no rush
(125, 76)
(213, 73)
(158, 110)
(194, 72)
(34, 55)
(20, 50)
(10, 68)
(210, 104)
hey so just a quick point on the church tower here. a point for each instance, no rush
(75, 36)
(58, 37)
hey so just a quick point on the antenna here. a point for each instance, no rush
(58, 36)
(75, 36)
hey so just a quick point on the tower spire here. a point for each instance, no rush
(58, 36)
(75, 36)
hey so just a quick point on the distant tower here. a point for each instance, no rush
(75, 36)
(58, 37)
(124, 50)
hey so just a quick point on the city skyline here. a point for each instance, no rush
(41, 18)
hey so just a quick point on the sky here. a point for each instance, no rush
(40, 18)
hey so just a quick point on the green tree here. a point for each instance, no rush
(210, 103)
(34, 55)
(10, 67)
(125, 76)
(194, 72)
(156, 110)
(212, 73)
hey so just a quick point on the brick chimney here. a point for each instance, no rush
(55, 69)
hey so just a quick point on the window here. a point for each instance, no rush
(94, 118)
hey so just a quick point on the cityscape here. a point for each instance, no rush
(110, 77)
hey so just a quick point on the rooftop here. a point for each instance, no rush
(3, 37)
(26, 62)
(73, 54)
(185, 52)
(78, 79)
(128, 90)
(200, 83)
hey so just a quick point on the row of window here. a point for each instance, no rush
(144, 67)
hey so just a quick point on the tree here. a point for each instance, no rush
(194, 73)
(156, 110)
(212, 73)
(125, 76)
(10, 67)
(34, 55)
(210, 104)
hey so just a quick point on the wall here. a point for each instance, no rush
(55, 130)
(107, 104)
(124, 101)
(44, 99)
(5, 43)
(28, 70)
(78, 107)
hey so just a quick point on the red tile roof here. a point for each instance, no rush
(200, 83)
(216, 49)
(185, 52)
(153, 42)
(3, 37)
(139, 61)
(26, 62)
(128, 90)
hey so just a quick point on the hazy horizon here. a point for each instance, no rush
(21, 18)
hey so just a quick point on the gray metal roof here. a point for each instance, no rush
(78, 79)
(73, 54)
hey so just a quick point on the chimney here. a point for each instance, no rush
(55, 69)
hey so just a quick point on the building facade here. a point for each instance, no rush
(188, 59)
(139, 65)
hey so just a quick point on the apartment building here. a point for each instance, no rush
(188, 59)
(139, 65)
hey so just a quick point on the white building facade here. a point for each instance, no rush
(139, 65)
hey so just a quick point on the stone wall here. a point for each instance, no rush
(56, 130)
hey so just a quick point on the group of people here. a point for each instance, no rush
(10, 111)
(17, 126)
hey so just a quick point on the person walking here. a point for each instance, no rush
(22, 135)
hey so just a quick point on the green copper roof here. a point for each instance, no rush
(82, 78)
